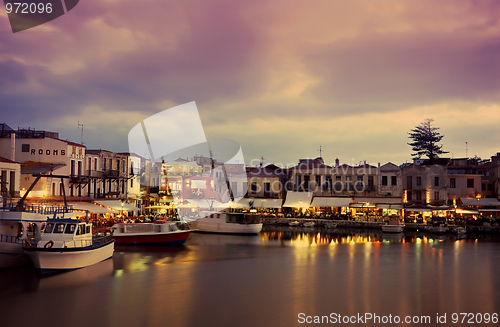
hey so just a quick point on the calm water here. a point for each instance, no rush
(265, 280)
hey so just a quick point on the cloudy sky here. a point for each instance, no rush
(279, 77)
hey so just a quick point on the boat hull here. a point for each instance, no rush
(226, 228)
(392, 228)
(166, 239)
(437, 229)
(55, 260)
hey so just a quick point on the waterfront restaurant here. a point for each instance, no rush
(375, 208)
(300, 202)
(335, 205)
(488, 208)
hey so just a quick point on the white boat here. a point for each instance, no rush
(459, 230)
(309, 224)
(17, 227)
(227, 223)
(393, 225)
(294, 223)
(437, 225)
(331, 225)
(68, 244)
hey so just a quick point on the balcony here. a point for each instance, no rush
(78, 179)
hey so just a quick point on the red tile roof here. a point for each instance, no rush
(2, 159)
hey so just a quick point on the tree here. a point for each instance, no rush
(425, 139)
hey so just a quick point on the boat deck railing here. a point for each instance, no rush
(9, 239)
(95, 241)
(37, 208)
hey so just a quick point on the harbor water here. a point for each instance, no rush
(283, 277)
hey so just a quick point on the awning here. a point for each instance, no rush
(298, 199)
(90, 207)
(386, 200)
(390, 206)
(117, 205)
(480, 202)
(330, 201)
(362, 205)
(267, 203)
(206, 204)
(418, 209)
(467, 211)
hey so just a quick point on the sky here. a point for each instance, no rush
(282, 78)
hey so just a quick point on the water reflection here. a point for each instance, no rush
(266, 280)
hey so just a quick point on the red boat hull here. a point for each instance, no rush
(177, 238)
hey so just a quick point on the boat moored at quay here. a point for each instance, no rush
(393, 225)
(227, 223)
(68, 244)
(160, 232)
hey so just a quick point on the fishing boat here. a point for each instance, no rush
(227, 223)
(68, 244)
(160, 232)
(458, 230)
(294, 223)
(22, 223)
(393, 225)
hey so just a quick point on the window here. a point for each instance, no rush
(370, 180)
(360, 179)
(394, 180)
(297, 180)
(59, 228)
(408, 195)
(95, 163)
(418, 196)
(436, 195)
(338, 178)
(483, 187)
(70, 229)
(87, 229)
(384, 180)
(254, 187)
(470, 183)
(25, 148)
(267, 187)
(453, 183)
(234, 188)
(318, 180)
(49, 228)
(328, 182)
(409, 182)
(490, 187)
(436, 181)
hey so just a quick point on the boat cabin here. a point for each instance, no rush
(235, 217)
(61, 233)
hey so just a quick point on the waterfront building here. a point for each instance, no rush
(463, 180)
(107, 174)
(10, 178)
(390, 181)
(313, 175)
(266, 182)
(425, 184)
(44, 152)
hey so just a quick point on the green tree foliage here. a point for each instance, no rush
(425, 140)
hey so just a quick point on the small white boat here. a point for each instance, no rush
(227, 223)
(294, 223)
(438, 225)
(309, 224)
(68, 244)
(459, 230)
(330, 225)
(393, 225)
